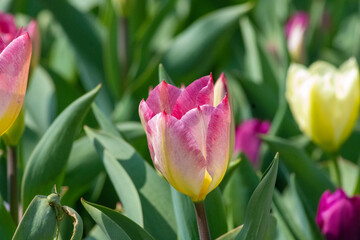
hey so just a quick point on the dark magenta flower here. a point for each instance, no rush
(338, 216)
(247, 138)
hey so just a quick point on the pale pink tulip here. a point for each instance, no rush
(188, 136)
(14, 67)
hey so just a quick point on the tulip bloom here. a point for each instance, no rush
(188, 135)
(324, 101)
(9, 31)
(338, 216)
(14, 67)
(295, 30)
(247, 138)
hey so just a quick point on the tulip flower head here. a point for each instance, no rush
(188, 135)
(15, 55)
(338, 216)
(295, 30)
(9, 31)
(324, 101)
(247, 138)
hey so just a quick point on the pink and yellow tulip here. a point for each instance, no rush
(15, 55)
(188, 135)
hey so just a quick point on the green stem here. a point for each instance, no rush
(12, 182)
(203, 227)
(123, 49)
(335, 170)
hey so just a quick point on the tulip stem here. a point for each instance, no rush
(203, 227)
(123, 48)
(335, 170)
(12, 182)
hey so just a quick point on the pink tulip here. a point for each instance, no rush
(338, 216)
(188, 135)
(295, 34)
(247, 138)
(9, 31)
(14, 67)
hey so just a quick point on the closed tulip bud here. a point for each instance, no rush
(247, 139)
(338, 216)
(188, 135)
(295, 30)
(324, 101)
(14, 68)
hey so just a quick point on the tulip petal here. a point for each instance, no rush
(218, 142)
(145, 113)
(14, 68)
(198, 93)
(175, 154)
(163, 98)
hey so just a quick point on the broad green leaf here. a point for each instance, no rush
(154, 191)
(104, 122)
(7, 225)
(40, 101)
(185, 216)
(215, 213)
(312, 180)
(86, 43)
(258, 211)
(83, 166)
(38, 222)
(47, 162)
(114, 224)
(349, 173)
(96, 234)
(124, 188)
(198, 42)
(270, 232)
(237, 192)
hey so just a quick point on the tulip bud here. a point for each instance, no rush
(338, 216)
(188, 135)
(295, 34)
(247, 139)
(324, 101)
(14, 68)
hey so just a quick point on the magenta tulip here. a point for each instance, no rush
(188, 136)
(247, 138)
(338, 216)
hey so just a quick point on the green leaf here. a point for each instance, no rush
(83, 166)
(258, 211)
(96, 234)
(164, 76)
(104, 122)
(215, 213)
(154, 191)
(312, 180)
(47, 162)
(197, 43)
(114, 224)
(7, 225)
(231, 235)
(77, 223)
(237, 191)
(124, 188)
(39, 221)
(185, 216)
(86, 43)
